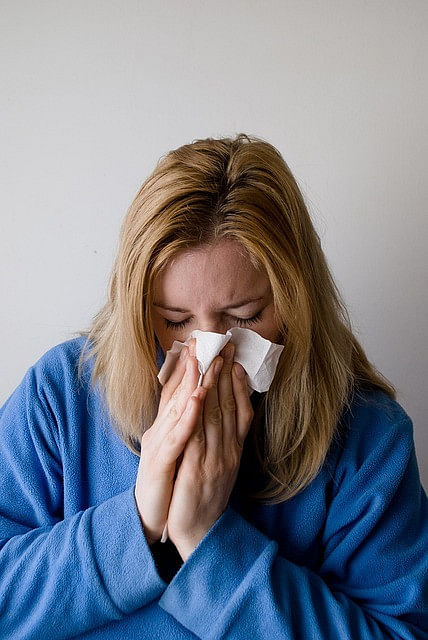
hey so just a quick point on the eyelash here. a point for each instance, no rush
(240, 321)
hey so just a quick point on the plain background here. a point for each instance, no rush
(93, 93)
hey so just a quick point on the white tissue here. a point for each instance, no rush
(258, 356)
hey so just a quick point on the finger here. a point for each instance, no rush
(244, 408)
(174, 379)
(177, 403)
(212, 418)
(227, 399)
(176, 439)
(195, 447)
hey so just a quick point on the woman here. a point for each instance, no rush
(295, 513)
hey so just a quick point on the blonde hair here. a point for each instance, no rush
(240, 189)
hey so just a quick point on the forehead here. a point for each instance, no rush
(219, 271)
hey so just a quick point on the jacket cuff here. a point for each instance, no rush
(201, 592)
(122, 553)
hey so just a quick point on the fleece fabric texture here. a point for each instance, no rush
(347, 558)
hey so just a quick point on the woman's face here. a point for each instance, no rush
(212, 288)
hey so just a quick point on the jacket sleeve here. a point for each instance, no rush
(372, 580)
(61, 577)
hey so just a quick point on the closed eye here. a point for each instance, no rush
(240, 321)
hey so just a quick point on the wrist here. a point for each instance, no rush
(186, 548)
(184, 552)
(151, 539)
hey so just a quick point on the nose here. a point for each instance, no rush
(215, 327)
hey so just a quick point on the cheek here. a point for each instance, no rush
(270, 329)
(167, 336)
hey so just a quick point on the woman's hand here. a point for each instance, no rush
(163, 444)
(212, 455)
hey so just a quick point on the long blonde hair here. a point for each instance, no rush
(238, 189)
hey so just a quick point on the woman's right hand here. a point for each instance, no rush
(164, 442)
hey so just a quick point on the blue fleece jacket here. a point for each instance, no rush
(344, 559)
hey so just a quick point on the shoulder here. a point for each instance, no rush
(57, 369)
(373, 427)
(49, 394)
(372, 411)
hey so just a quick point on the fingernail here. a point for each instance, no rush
(192, 347)
(217, 367)
(239, 370)
(229, 351)
(183, 353)
(200, 393)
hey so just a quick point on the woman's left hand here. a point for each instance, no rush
(211, 458)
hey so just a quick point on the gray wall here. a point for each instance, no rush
(94, 93)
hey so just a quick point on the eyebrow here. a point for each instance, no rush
(242, 303)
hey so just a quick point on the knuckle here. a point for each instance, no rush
(228, 405)
(215, 415)
(199, 435)
(173, 412)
